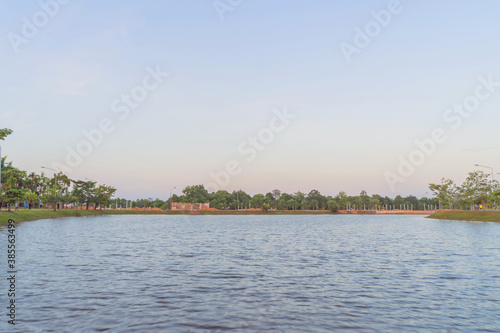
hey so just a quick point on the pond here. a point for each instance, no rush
(254, 273)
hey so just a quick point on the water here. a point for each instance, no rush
(255, 273)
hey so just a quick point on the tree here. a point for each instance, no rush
(398, 201)
(412, 201)
(195, 194)
(276, 194)
(299, 196)
(258, 200)
(388, 202)
(281, 204)
(270, 199)
(315, 199)
(478, 187)
(59, 189)
(495, 197)
(101, 196)
(12, 192)
(35, 184)
(83, 191)
(304, 205)
(374, 202)
(265, 207)
(342, 199)
(333, 206)
(63, 182)
(363, 199)
(221, 199)
(314, 203)
(30, 196)
(291, 204)
(50, 195)
(13, 189)
(4, 132)
(242, 199)
(442, 191)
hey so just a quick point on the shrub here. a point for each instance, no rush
(333, 206)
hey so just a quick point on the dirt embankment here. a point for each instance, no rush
(460, 215)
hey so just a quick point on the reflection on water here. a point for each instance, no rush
(256, 273)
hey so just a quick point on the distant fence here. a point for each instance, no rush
(190, 206)
(388, 212)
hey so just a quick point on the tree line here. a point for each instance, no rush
(276, 199)
(478, 189)
(38, 190)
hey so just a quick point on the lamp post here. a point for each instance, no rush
(484, 166)
(55, 179)
(171, 196)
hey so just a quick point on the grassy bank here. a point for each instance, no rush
(481, 216)
(39, 214)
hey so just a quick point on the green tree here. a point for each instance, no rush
(12, 192)
(258, 200)
(195, 194)
(305, 204)
(494, 197)
(30, 196)
(221, 199)
(50, 195)
(412, 201)
(4, 132)
(342, 199)
(101, 196)
(291, 204)
(442, 191)
(242, 199)
(375, 203)
(270, 200)
(276, 194)
(333, 206)
(398, 202)
(315, 199)
(363, 199)
(478, 187)
(281, 204)
(83, 191)
(299, 196)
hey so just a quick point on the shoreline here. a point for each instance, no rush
(467, 215)
(41, 214)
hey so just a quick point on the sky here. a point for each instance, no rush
(145, 96)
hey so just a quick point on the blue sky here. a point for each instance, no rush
(352, 120)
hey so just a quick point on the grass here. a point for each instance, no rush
(39, 214)
(457, 215)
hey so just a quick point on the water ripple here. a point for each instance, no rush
(257, 273)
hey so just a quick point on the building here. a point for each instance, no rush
(189, 206)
